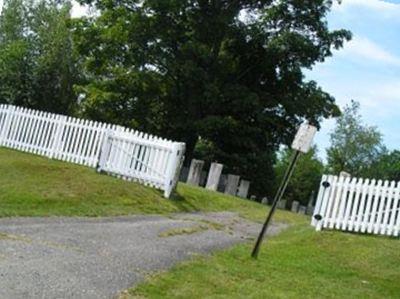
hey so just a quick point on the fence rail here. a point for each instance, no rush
(117, 150)
(359, 205)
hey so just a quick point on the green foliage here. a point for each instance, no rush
(15, 54)
(38, 66)
(355, 147)
(306, 176)
(190, 69)
(387, 167)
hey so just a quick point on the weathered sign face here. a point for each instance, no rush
(304, 137)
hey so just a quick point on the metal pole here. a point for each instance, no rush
(277, 198)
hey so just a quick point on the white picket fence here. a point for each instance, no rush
(358, 205)
(117, 150)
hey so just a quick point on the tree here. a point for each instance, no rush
(387, 167)
(355, 147)
(16, 63)
(230, 72)
(56, 64)
(306, 176)
(38, 66)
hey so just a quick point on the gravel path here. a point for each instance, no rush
(61, 257)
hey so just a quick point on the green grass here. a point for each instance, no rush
(299, 263)
(37, 186)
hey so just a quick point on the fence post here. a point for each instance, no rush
(174, 168)
(105, 150)
(7, 124)
(57, 136)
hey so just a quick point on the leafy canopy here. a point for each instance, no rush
(230, 72)
(355, 147)
(38, 65)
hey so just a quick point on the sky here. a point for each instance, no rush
(367, 69)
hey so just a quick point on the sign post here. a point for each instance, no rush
(301, 144)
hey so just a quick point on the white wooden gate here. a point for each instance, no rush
(117, 150)
(145, 160)
(358, 205)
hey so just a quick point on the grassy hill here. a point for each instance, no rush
(299, 263)
(37, 186)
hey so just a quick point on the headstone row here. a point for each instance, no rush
(232, 184)
(215, 180)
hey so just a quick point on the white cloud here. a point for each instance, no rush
(383, 98)
(361, 48)
(385, 8)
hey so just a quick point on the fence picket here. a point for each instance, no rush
(355, 206)
(324, 197)
(82, 148)
(318, 204)
(397, 223)
(46, 134)
(395, 211)
(24, 125)
(348, 203)
(358, 215)
(33, 131)
(11, 133)
(373, 213)
(15, 135)
(38, 132)
(385, 210)
(333, 180)
(380, 206)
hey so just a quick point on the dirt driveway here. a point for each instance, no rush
(99, 257)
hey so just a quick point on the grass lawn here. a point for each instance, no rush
(299, 263)
(37, 186)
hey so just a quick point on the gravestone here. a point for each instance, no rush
(310, 205)
(264, 201)
(243, 189)
(302, 210)
(222, 183)
(310, 210)
(214, 176)
(196, 167)
(232, 184)
(253, 198)
(183, 176)
(282, 204)
(295, 206)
